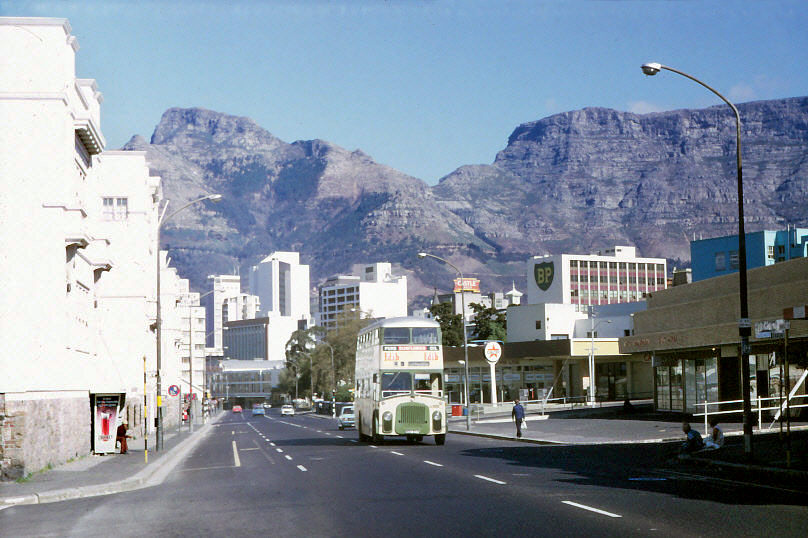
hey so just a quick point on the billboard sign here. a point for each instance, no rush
(467, 284)
(105, 422)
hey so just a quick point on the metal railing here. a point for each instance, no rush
(759, 406)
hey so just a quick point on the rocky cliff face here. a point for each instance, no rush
(573, 182)
(335, 206)
(583, 180)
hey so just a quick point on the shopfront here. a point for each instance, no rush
(691, 334)
(550, 368)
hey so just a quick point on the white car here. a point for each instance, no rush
(288, 410)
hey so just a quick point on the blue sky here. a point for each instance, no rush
(423, 86)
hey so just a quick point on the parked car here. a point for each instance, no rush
(237, 409)
(288, 410)
(346, 417)
(258, 409)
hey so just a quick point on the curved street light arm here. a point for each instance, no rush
(212, 197)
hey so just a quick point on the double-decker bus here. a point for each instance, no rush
(399, 380)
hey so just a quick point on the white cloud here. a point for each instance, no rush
(643, 107)
(742, 92)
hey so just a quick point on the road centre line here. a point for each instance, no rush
(481, 477)
(302, 468)
(396, 453)
(433, 463)
(279, 450)
(373, 446)
(591, 509)
(341, 437)
(235, 455)
(271, 443)
(243, 449)
(288, 457)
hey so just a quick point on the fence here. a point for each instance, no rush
(759, 405)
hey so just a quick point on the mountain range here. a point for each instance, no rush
(573, 182)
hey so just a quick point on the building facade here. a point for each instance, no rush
(719, 255)
(615, 275)
(226, 302)
(690, 333)
(376, 293)
(79, 226)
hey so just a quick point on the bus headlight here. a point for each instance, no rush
(436, 421)
(387, 424)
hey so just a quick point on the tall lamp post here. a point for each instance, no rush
(744, 325)
(333, 382)
(191, 414)
(592, 327)
(423, 255)
(158, 321)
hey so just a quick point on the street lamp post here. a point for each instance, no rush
(191, 415)
(333, 382)
(158, 321)
(744, 326)
(592, 327)
(423, 255)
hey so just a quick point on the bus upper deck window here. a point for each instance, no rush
(396, 335)
(425, 335)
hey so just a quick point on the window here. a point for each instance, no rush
(425, 335)
(613, 279)
(612, 265)
(641, 267)
(115, 209)
(770, 251)
(573, 264)
(396, 381)
(538, 324)
(604, 278)
(733, 259)
(396, 335)
(720, 261)
(573, 278)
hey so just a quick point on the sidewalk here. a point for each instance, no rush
(101, 475)
(615, 427)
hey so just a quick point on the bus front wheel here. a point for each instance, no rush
(440, 439)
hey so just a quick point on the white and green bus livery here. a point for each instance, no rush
(399, 380)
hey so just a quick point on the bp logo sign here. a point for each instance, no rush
(544, 275)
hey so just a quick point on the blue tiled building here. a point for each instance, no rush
(719, 255)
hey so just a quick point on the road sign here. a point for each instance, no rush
(771, 329)
(173, 390)
(493, 351)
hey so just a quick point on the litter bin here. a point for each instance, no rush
(457, 410)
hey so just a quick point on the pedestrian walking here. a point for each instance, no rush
(518, 415)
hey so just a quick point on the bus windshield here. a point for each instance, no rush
(396, 335)
(396, 383)
(425, 335)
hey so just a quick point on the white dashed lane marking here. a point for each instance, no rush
(591, 509)
(495, 481)
(433, 463)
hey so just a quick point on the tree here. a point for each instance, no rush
(451, 324)
(299, 362)
(489, 323)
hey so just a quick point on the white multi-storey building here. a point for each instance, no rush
(282, 284)
(375, 293)
(79, 227)
(226, 303)
(616, 275)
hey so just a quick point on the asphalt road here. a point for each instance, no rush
(301, 476)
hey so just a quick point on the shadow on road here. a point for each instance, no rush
(652, 468)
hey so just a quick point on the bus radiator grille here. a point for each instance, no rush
(412, 418)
